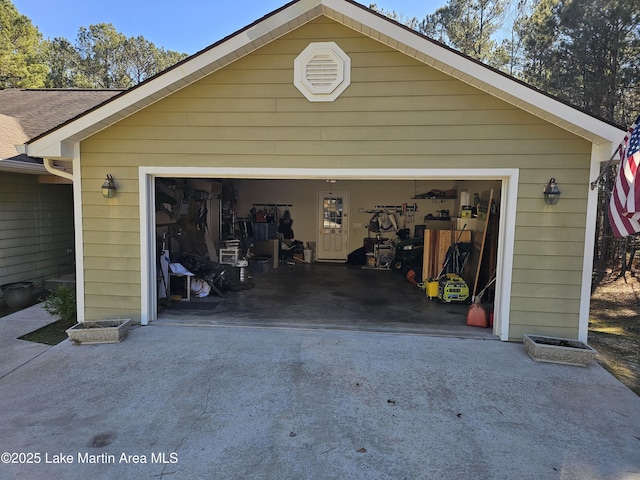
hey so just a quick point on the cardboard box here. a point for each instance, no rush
(471, 223)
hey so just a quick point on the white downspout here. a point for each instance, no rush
(50, 167)
(77, 214)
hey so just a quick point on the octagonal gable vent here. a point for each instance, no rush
(322, 71)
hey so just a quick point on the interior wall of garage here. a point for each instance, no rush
(365, 195)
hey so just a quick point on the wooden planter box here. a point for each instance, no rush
(101, 331)
(558, 350)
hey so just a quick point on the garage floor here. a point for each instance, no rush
(328, 296)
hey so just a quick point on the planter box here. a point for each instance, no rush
(558, 350)
(102, 331)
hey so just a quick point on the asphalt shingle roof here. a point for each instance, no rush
(27, 113)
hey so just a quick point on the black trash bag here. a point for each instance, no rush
(357, 257)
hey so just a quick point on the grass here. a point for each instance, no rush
(614, 328)
(51, 334)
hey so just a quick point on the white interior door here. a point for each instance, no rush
(333, 226)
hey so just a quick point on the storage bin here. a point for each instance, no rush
(260, 264)
(264, 231)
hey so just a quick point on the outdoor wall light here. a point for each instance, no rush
(108, 187)
(551, 192)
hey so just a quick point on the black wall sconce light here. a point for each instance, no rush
(108, 187)
(551, 192)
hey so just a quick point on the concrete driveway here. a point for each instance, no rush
(177, 402)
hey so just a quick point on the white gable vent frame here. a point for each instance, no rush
(322, 71)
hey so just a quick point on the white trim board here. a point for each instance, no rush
(509, 199)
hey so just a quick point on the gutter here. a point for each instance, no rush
(48, 165)
(16, 166)
(53, 170)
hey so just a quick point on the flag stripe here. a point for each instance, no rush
(624, 204)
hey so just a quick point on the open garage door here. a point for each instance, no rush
(224, 215)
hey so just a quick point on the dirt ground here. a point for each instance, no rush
(614, 327)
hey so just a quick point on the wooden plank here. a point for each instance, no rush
(484, 211)
(436, 246)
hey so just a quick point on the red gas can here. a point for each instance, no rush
(477, 316)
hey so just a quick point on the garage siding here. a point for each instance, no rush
(397, 113)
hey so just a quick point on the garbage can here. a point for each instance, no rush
(18, 294)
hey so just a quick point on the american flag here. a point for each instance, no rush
(624, 206)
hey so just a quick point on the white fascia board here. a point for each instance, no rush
(200, 65)
(479, 76)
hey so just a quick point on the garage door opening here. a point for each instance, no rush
(359, 254)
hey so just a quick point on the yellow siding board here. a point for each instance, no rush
(310, 118)
(115, 289)
(110, 313)
(548, 319)
(391, 103)
(108, 213)
(548, 276)
(550, 234)
(181, 111)
(436, 132)
(108, 260)
(110, 276)
(548, 305)
(516, 332)
(109, 239)
(110, 305)
(549, 248)
(501, 115)
(104, 250)
(200, 133)
(550, 291)
(527, 262)
(92, 224)
(569, 176)
(566, 206)
(543, 219)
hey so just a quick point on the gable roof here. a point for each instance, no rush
(58, 143)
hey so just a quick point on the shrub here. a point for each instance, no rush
(62, 303)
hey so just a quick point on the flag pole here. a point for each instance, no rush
(594, 184)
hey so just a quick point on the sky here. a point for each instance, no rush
(185, 26)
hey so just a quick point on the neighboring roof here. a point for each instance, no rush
(11, 134)
(26, 114)
(58, 142)
(40, 110)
